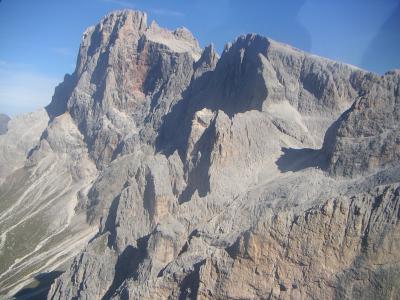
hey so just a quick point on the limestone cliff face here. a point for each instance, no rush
(127, 77)
(264, 173)
(342, 249)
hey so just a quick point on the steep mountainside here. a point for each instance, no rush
(166, 171)
(22, 134)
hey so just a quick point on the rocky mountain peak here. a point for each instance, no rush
(207, 61)
(181, 40)
(250, 42)
(115, 20)
(123, 25)
(168, 172)
(186, 34)
(210, 55)
(124, 75)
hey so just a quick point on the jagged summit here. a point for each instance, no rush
(250, 40)
(166, 171)
(123, 77)
(255, 40)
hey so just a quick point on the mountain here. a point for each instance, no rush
(166, 171)
(4, 119)
(22, 134)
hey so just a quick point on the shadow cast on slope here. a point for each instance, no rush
(235, 85)
(127, 265)
(175, 128)
(40, 291)
(294, 160)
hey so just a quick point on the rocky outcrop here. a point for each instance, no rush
(367, 137)
(264, 173)
(343, 249)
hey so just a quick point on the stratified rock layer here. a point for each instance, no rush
(264, 173)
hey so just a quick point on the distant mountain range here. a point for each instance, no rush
(3, 123)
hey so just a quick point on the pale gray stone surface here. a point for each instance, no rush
(22, 135)
(367, 137)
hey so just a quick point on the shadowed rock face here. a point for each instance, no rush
(208, 177)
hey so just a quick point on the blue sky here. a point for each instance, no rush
(39, 39)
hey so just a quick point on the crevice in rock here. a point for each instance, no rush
(149, 195)
(195, 233)
(190, 284)
(198, 177)
(110, 224)
(233, 250)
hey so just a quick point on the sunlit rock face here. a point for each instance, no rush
(127, 77)
(367, 137)
(264, 173)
